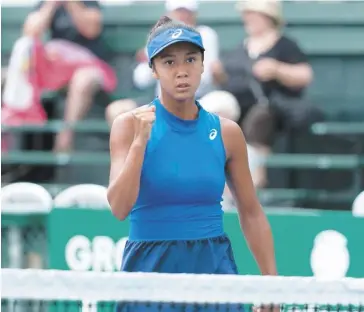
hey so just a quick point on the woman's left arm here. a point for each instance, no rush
(293, 69)
(253, 220)
(294, 75)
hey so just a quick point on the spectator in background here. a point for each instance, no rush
(75, 40)
(184, 11)
(279, 66)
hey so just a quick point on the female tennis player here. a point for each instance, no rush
(169, 160)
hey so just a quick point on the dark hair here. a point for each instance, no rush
(165, 23)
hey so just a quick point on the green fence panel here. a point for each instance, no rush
(328, 242)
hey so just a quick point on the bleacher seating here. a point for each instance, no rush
(330, 32)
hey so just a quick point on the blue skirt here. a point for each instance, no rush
(204, 256)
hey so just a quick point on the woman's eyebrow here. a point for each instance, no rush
(163, 56)
(166, 55)
(192, 53)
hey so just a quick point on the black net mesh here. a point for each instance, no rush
(24, 246)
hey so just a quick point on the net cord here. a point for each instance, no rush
(54, 285)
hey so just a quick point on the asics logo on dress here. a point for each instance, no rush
(213, 134)
(177, 33)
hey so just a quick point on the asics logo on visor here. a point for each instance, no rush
(177, 33)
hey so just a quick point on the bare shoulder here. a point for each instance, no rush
(232, 136)
(125, 119)
(122, 121)
(230, 130)
(229, 126)
(122, 130)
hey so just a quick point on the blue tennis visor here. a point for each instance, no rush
(171, 36)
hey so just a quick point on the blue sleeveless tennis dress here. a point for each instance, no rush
(176, 225)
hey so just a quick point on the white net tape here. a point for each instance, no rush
(183, 288)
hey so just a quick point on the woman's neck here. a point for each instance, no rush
(260, 43)
(187, 109)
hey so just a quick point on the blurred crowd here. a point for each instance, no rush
(260, 85)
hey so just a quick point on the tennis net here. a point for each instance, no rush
(71, 291)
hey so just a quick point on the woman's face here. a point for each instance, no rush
(179, 68)
(256, 23)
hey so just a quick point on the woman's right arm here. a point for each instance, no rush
(38, 22)
(128, 140)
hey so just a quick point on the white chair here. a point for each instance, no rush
(25, 197)
(358, 205)
(83, 196)
(221, 103)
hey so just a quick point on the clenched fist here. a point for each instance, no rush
(144, 118)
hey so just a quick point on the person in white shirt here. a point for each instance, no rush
(186, 12)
